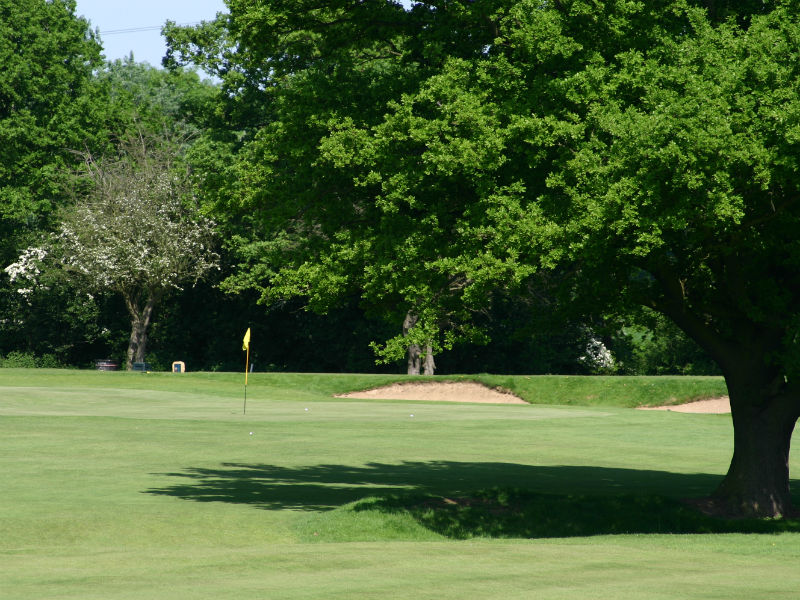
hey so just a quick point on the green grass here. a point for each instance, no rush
(545, 389)
(118, 485)
(607, 390)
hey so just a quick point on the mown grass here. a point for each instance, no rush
(542, 389)
(119, 485)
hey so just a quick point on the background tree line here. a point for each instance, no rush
(61, 102)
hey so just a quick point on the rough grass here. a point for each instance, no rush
(120, 485)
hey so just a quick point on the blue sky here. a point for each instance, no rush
(115, 19)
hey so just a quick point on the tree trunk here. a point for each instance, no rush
(429, 364)
(764, 410)
(414, 354)
(414, 351)
(764, 415)
(140, 323)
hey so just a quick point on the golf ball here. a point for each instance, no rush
(251, 433)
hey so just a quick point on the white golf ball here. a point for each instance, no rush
(410, 415)
(306, 410)
(251, 433)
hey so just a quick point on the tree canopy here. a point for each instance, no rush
(425, 157)
(58, 104)
(136, 233)
(47, 107)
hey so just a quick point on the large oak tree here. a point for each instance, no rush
(426, 156)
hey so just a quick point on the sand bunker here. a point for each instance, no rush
(719, 405)
(446, 391)
(467, 391)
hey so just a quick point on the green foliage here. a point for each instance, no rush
(457, 148)
(22, 360)
(56, 105)
(204, 328)
(312, 157)
(44, 314)
(137, 233)
(48, 106)
(16, 360)
(154, 99)
(662, 350)
(379, 159)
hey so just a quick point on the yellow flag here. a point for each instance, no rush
(246, 342)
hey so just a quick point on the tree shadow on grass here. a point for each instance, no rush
(467, 499)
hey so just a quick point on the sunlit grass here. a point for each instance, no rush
(120, 485)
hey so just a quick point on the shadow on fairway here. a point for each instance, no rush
(462, 500)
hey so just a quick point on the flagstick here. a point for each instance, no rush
(246, 366)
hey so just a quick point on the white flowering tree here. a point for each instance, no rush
(136, 232)
(597, 357)
(24, 273)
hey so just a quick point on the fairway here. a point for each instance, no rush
(120, 485)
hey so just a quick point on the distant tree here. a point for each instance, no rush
(58, 97)
(146, 96)
(137, 232)
(48, 105)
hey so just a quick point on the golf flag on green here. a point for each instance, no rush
(246, 346)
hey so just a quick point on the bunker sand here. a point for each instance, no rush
(445, 391)
(475, 392)
(717, 406)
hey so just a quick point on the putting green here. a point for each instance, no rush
(152, 404)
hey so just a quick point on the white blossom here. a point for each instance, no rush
(597, 357)
(25, 272)
(28, 266)
(141, 239)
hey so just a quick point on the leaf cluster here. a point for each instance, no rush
(47, 106)
(422, 158)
